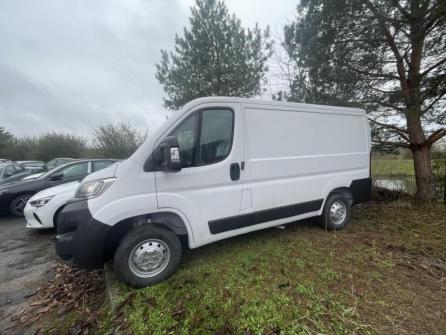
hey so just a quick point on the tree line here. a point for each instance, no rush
(118, 140)
(385, 56)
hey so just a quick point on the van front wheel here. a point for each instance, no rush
(336, 213)
(147, 255)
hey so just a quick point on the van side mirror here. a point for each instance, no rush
(171, 154)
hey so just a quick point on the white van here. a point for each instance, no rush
(219, 167)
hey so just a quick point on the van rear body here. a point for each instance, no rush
(220, 167)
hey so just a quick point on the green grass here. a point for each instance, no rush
(393, 166)
(382, 274)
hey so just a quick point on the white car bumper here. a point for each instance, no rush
(37, 218)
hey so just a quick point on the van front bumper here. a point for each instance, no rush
(80, 238)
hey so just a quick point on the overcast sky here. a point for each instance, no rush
(70, 65)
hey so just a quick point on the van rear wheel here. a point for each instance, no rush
(147, 255)
(336, 213)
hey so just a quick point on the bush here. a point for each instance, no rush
(51, 145)
(116, 140)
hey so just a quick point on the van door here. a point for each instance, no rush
(209, 185)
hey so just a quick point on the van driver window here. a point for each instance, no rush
(215, 135)
(185, 134)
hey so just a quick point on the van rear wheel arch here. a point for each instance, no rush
(167, 220)
(345, 191)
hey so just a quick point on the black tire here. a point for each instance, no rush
(133, 239)
(18, 205)
(328, 217)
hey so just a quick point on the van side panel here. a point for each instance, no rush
(295, 155)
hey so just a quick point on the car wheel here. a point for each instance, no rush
(147, 255)
(18, 205)
(336, 213)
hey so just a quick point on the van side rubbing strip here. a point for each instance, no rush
(251, 219)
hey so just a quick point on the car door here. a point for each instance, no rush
(72, 172)
(208, 188)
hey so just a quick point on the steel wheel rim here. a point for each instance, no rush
(19, 206)
(149, 258)
(338, 212)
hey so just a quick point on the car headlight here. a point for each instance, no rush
(93, 189)
(41, 202)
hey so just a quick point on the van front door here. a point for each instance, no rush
(208, 188)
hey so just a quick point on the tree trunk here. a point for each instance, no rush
(421, 152)
(424, 176)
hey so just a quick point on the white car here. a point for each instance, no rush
(42, 208)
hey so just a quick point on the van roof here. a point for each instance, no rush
(273, 103)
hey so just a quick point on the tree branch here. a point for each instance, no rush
(395, 144)
(436, 12)
(399, 59)
(437, 64)
(435, 136)
(401, 9)
(375, 75)
(399, 131)
(437, 99)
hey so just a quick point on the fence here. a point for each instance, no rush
(392, 168)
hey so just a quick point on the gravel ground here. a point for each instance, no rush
(27, 259)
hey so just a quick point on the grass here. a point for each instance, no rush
(390, 167)
(383, 274)
(394, 166)
(397, 173)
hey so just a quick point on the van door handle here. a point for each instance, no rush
(234, 171)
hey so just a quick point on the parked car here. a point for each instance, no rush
(220, 167)
(42, 209)
(33, 176)
(33, 166)
(58, 162)
(13, 197)
(11, 172)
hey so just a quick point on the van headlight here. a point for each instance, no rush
(40, 202)
(92, 189)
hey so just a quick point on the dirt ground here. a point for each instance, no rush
(27, 261)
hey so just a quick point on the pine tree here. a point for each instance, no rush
(215, 56)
